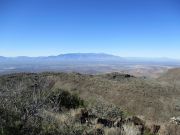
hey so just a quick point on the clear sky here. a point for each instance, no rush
(139, 28)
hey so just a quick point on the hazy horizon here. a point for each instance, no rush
(75, 53)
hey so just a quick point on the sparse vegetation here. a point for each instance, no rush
(75, 104)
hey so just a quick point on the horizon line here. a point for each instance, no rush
(138, 57)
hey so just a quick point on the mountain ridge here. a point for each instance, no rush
(91, 56)
(70, 56)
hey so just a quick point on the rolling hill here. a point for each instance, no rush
(154, 101)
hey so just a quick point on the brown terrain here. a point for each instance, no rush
(150, 103)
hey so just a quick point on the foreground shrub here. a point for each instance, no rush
(65, 99)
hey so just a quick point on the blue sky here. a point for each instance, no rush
(139, 28)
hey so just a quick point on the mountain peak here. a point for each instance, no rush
(88, 56)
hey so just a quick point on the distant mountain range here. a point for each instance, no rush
(70, 57)
(91, 63)
(86, 57)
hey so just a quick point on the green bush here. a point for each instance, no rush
(69, 101)
(66, 99)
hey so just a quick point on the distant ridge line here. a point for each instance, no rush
(95, 56)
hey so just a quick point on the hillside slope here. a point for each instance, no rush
(151, 100)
